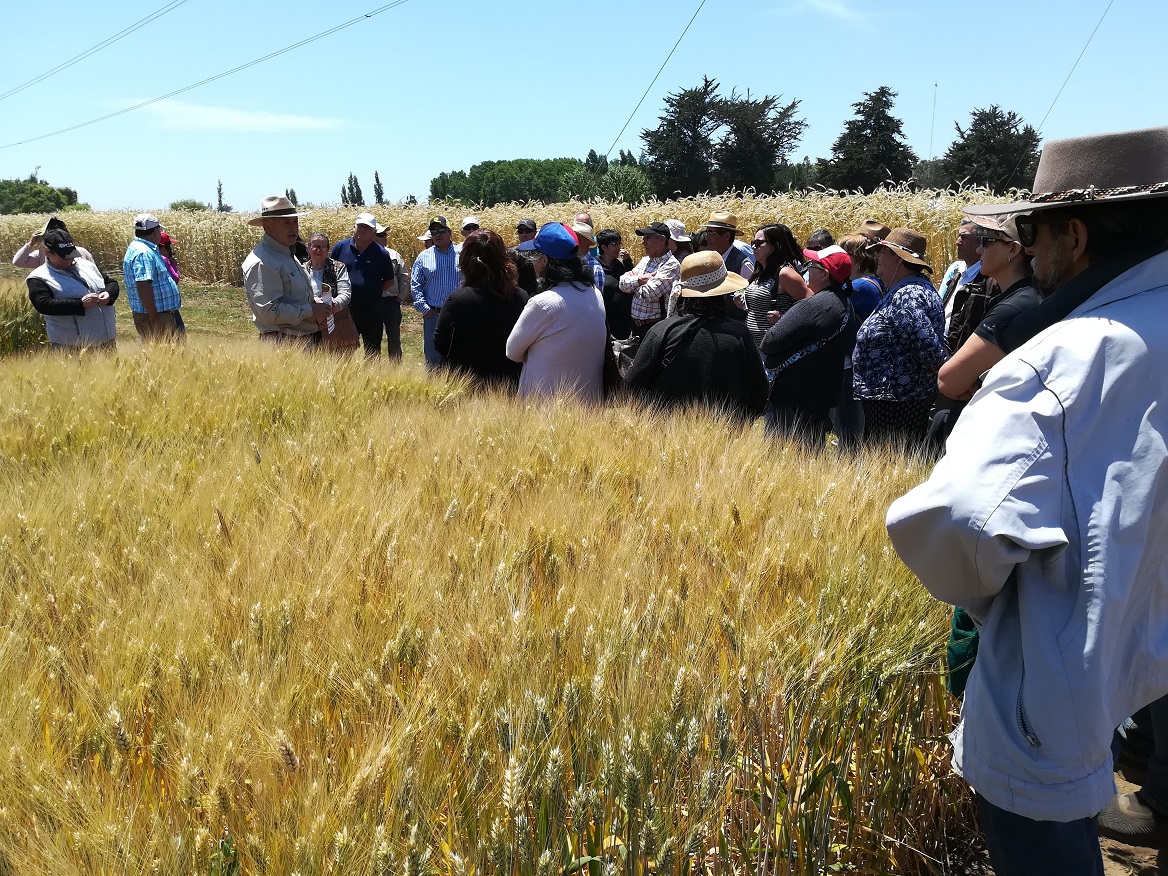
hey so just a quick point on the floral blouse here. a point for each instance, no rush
(901, 346)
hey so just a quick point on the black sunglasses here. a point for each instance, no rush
(1027, 230)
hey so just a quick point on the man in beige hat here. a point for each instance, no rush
(721, 230)
(1046, 518)
(278, 288)
(587, 238)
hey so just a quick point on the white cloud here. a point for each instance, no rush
(840, 10)
(177, 115)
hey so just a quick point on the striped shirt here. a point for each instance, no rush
(143, 261)
(434, 276)
(592, 263)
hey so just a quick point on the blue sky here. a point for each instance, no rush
(427, 87)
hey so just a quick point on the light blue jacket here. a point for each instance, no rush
(1047, 519)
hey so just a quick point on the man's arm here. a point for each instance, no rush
(29, 255)
(629, 281)
(265, 291)
(994, 500)
(40, 294)
(146, 296)
(418, 287)
(667, 273)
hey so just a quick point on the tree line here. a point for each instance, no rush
(706, 141)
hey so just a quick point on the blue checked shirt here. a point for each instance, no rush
(434, 276)
(593, 264)
(144, 262)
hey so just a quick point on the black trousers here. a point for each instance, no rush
(375, 317)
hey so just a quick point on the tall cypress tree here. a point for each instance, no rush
(871, 151)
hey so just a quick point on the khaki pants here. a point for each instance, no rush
(170, 327)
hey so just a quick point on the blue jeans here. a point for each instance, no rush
(1021, 846)
(433, 357)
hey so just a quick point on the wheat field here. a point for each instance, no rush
(268, 615)
(212, 246)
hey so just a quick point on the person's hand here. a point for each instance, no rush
(431, 313)
(103, 297)
(624, 255)
(773, 316)
(643, 279)
(35, 240)
(320, 312)
(337, 306)
(92, 299)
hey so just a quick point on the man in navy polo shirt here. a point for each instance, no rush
(371, 273)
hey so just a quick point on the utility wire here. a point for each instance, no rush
(659, 69)
(209, 79)
(1061, 87)
(109, 41)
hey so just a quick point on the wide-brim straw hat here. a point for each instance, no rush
(704, 275)
(1112, 168)
(275, 207)
(722, 221)
(907, 245)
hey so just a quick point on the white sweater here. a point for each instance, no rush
(560, 338)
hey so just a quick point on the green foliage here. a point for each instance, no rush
(351, 194)
(221, 207)
(290, 194)
(796, 177)
(34, 195)
(997, 150)
(871, 151)
(378, 189)
(929, 173)
(706, 142)
(619, 183)
(502, 182)
(190, 205)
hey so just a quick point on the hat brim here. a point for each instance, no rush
(903, 255)
(258, 221)
(1081, 200)
(733, 283)
(720, 226)
(645, 232)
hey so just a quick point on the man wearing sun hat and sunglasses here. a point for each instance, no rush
(1046, 519)
(434, 276)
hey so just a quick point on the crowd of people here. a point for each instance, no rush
(1039, 361)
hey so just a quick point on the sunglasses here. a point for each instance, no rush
(757, 243)
(1027, 230)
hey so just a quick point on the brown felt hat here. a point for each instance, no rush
(1098, 169)
(907, 245)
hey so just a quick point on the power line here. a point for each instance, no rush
(1022, 158)
(109, 41)
(209, 79)
(659, 69)
(1076, 64)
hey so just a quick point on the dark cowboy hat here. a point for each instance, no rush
(1099, 169)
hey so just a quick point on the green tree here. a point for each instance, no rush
(220, 207)
(190, 205)
(929, 173)
(871, 151)
(378, 190)
(998, 150)
(354, 196)
(759, 135)
(680, 150)
(629, 184)
(796, 177)
(344, 196)
(34, 195)
(627, 159)
(597, 164)
(497, 182)
(290, 194)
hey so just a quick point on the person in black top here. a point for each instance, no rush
(617, 304)
(1003, 262)
(701, 355)
(476, 319)
(807, 348)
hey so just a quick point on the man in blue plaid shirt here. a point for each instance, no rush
(153, 293)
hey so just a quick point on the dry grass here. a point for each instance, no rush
(212, 246)
(359, 620)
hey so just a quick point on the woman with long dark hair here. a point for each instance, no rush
(777, 282)
(806, 349)
(560, 337)
(476, 319)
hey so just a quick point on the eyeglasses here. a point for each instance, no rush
(317, 246)
(986, 241)
(1027, 230)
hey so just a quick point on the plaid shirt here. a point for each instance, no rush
(593, 264)
(663, 272)
(143, 261)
